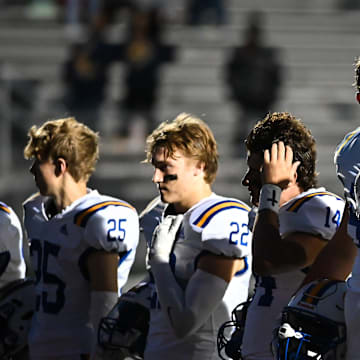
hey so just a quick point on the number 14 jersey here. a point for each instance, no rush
(315, 211)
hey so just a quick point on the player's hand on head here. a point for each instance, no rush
(163, 238)
(279, 168)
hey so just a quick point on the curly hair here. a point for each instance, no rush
(282, 126)
(189, 134)
(68, 139)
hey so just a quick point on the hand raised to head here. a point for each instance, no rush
(279, 168)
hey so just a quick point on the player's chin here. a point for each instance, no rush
(164, 196)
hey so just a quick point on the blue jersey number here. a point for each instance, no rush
(235, 236)
(334, 220)
(116, 232)
(268, 283)
(41, 273)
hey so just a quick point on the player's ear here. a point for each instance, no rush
(199, 168)
(60, 166)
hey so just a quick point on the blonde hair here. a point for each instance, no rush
(68, 139)
(190, 135)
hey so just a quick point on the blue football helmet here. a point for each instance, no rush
(230, 334)
(312, 326)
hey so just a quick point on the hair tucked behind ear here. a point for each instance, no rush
(68, 139)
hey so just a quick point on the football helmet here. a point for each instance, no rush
(312, 325)
(126, 327)
(347, 163)
(17, 306)
(230, 334)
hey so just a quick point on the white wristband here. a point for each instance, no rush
(270, 198)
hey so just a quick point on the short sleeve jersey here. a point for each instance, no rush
(58, 250)
(12, 262)
(316, 212)
(217, 225)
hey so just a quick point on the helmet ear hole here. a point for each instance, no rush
(313, 324)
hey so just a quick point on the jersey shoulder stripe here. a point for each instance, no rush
(346, 140)
(296, 205)
(4, 208)
(313, 295)
(83, 216)
(211, 211)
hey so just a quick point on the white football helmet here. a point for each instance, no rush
(17, 306)
(313, 325)
(347, 163)
(230, 334)
(126, 327)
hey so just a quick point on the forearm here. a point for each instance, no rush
(334, 262)
(187, 310)
(271, 254)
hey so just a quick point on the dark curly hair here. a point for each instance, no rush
(282, 126)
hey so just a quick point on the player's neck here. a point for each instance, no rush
(290, 192)
(68, 194)
(193, 198)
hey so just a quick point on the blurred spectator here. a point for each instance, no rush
(349, 4)
(79, 14)
(253, 75)
(143, 54)
(200, 12)
(85, 75)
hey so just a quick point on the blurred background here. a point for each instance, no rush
(123, 66)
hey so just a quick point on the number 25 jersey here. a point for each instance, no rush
(59, 249)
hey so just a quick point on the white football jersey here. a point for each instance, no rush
(59, 249)
(12, 262)
(316, 212)
(218, 225)
(347, 163)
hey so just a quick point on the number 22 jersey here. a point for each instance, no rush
(59, 247)
(217, 225)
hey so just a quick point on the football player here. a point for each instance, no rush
(199, 256)
(294, 222)
(340, 260)
(12, 262)
(83, 243)
(14, 327)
